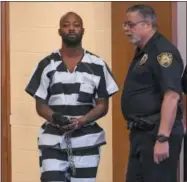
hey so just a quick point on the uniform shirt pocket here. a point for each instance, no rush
(86, 93)
(142, 74)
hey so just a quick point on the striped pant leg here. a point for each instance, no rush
(53, 165)
(86, 163)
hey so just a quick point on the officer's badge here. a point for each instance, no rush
(165, 59)
(144, 59)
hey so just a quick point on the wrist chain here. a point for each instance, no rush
(69, 151)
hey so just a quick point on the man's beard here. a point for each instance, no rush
(133, 38)
(72, 41)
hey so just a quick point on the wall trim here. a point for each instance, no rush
(6, 171)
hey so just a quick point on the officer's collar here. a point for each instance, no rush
(149, 43)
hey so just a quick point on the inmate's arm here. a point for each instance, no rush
(97, 112)
(44, 110)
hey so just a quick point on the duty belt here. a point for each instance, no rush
(143, 123)
(140, 125)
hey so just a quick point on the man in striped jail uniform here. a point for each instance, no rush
(71, 87)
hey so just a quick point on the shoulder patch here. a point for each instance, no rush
(165, 59)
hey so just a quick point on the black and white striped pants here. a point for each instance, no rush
(55, 167)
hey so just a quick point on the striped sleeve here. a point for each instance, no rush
(107, 85)
(38, 84)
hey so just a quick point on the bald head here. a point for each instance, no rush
(71, 29)
(70, 15)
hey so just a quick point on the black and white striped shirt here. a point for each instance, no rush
(72, 94)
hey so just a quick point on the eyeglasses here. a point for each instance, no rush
(132, 24)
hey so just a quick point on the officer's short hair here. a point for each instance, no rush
(146, 11)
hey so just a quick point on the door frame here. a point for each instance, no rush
(6, 171)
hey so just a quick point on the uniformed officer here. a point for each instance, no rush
(151, 100)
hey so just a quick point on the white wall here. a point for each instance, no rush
(181, 44)
(0, 90)
(181, 28)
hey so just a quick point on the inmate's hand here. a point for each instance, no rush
(76, 123)
(58, 120)
(161, 151)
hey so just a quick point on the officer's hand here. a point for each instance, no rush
(161, 151)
